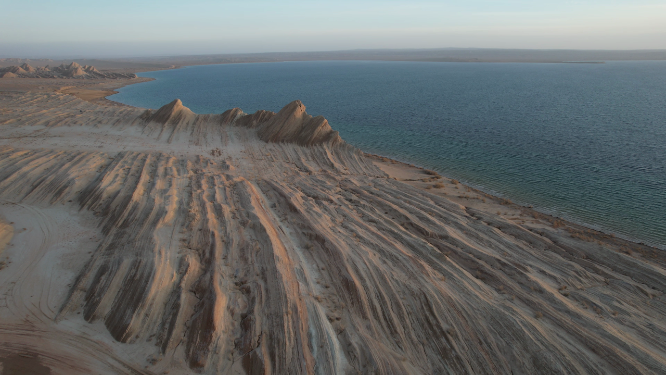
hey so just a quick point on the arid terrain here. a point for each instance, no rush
(166, 242)
(71, 70)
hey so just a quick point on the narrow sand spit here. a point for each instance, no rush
(141, 242)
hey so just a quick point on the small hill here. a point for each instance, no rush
(173, 113)
(28, 68)
(90, 69)
(16, 70)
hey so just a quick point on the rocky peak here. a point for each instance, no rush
(292, 124)
(28, 68)
(173, 112)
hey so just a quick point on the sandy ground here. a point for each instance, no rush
(90, 90)
(110, 66)
(49, 247)
(168, 242)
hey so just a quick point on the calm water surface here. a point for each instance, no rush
(582, 141)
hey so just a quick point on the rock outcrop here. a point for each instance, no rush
(174, 113)
(90, 69)
(73, 70)
(15, 70)
(27, 68)
(292, 124)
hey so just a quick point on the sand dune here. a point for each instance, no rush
(147, 242)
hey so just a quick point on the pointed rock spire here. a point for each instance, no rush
(292, 124)
(174, 112)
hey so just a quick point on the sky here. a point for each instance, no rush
(122, 28)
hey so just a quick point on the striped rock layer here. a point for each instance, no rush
(263, 244)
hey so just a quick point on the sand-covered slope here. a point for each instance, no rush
(153, 242)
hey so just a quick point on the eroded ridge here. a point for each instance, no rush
(72, 70)
(221, 253)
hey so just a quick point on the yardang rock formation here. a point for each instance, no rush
(152, 241)
(72, 70)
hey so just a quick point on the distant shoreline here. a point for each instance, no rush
(145, 64)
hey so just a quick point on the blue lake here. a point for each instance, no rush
(586, 142)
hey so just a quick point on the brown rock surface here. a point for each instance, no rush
(173, 113)
(151, 242)
(90, 69)
(15, 70)
(292, 124)
(28, 68)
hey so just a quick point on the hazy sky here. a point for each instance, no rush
(48, 28)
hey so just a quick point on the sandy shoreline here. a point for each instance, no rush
(146, 242)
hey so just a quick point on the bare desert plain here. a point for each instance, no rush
(167, 242)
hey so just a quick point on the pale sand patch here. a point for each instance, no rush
(49, 248)
(6, 234)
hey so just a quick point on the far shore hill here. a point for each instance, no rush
(139, 241)
(72, 70)
(142, 64)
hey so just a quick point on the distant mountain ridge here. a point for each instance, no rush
(73, 70)
(426, 55)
